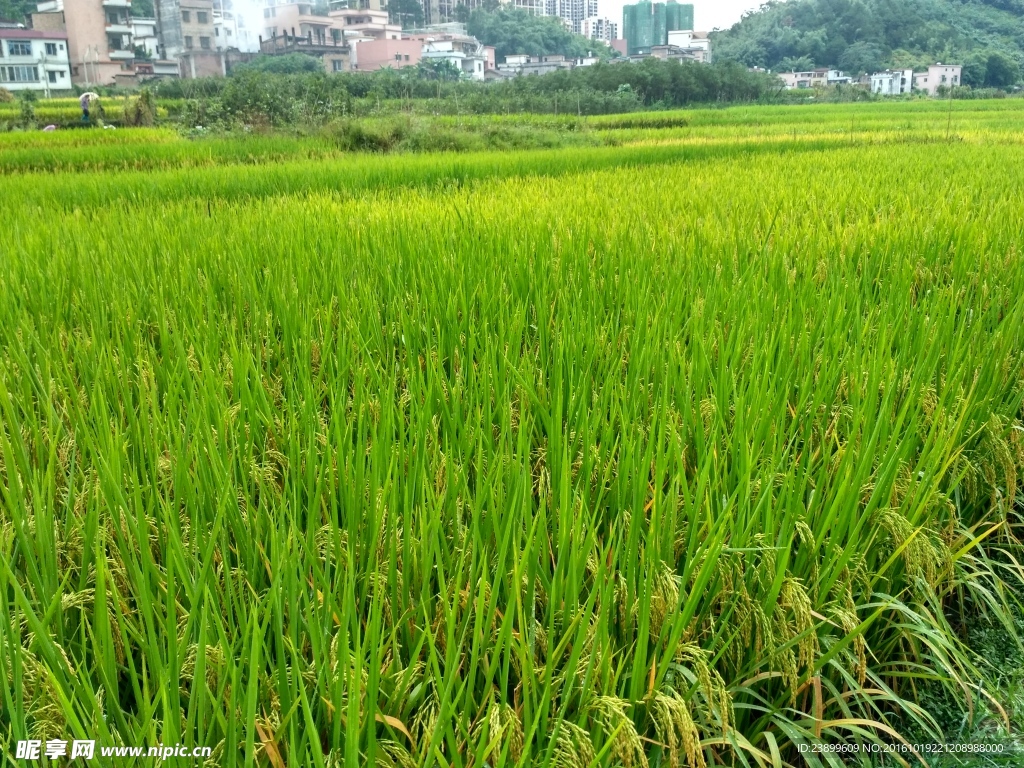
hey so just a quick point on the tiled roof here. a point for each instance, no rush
(31, 34)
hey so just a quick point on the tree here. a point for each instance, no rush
(861, 57)
(975, 68)
(289, 64)
(16, 10)
(801, 64)
(513, 30)
(407, 13)
(439, 69)
(1001, 71)
(864, 35)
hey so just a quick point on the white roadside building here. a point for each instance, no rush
(892, 82)
(938, 76)
(34, 60)
(814, 78)
(697, 44)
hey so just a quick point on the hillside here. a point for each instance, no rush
(987, 36)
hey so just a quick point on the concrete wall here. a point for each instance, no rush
(88, 50)
(370, 55)
(202, 64)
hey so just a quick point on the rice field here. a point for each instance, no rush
(701, 448)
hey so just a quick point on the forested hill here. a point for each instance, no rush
(987, 36)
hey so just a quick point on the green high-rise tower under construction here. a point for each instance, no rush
(647, 24)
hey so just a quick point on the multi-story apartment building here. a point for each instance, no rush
(815, 78)
(299, 19)
(533, 7)
(145, 36)
(572, 12)
(100, 38)
(938, 76)
(646, 24)
(901, 81)
(891, 83)
(598, 28)
(697, 45)
(230, 30)
(187, 35)
(334, 57)
(34, 60)
(456, 47)
(365, 24)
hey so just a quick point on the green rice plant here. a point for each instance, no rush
(627, 456)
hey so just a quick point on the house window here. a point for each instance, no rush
(336, 65)
(201, 17)
(216, 32)
(19, 48)
(52, 76)
(407, 57)
(19, 74)
(186, 16)
(188, 41)
(398, 57)
(51, 49)
(204, 43)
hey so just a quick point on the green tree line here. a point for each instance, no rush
(279, 97)
(986, 36)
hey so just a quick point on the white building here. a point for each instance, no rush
(901, 81)
(466, 53)
(836, 77)
(892, 83)
(696, 44)
(598, 28)
(230, 29)
(571, 12)
(532, 7)
(34, 60)
(815, 78)
(525, 64)
(938, 76)
(145, 36)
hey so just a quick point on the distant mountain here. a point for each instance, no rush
(986, 36)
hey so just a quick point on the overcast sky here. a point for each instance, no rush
(707, 14)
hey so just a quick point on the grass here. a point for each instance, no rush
(671, 454)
